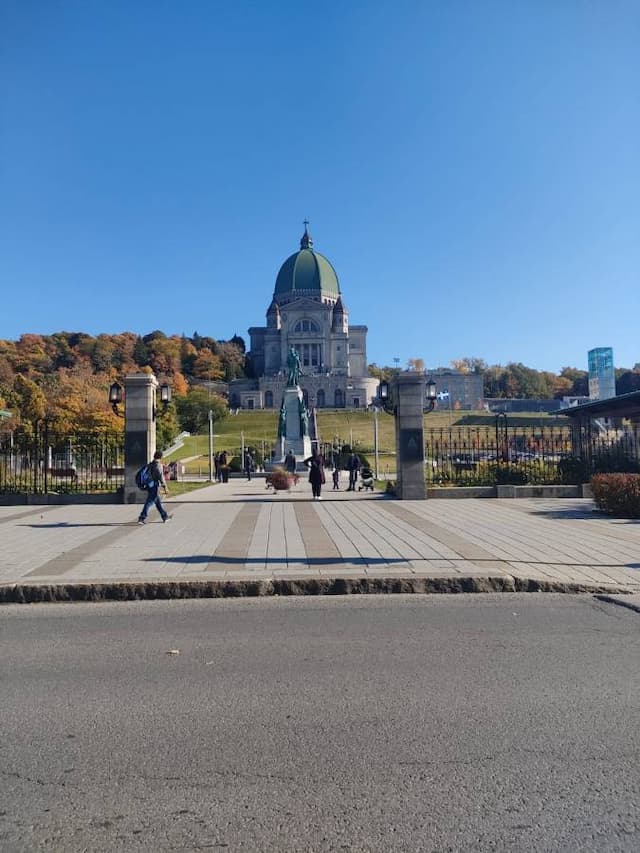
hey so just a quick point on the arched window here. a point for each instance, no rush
(306, 326)
(320, 399)
(339, 399)
(268, 399)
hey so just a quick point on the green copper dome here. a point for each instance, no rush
(307, 273)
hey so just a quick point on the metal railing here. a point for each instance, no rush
(42, 461)
(478, 456)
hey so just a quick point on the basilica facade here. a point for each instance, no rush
(307, 313)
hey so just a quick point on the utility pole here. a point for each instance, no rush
(375, 442)
(210, 446)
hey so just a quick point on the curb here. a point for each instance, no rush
(162, 590)
(616, 599)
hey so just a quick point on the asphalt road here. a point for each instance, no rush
(475, 723)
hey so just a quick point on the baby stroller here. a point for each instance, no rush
(366, 479)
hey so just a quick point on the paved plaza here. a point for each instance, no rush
(241, 532)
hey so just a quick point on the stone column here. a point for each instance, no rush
(407, 390)
(139, 430)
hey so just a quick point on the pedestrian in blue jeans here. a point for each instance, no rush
(157, 481)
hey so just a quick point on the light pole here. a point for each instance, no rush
(504, 451)
(375, 442)
(210, 446)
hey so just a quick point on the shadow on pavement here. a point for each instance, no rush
(66, 524)
(282, 561)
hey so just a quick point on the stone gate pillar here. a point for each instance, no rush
(139, 430)
(408, 390)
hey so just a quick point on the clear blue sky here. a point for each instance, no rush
(471, 169)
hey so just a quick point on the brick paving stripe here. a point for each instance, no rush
(232, 551)
(68, 560)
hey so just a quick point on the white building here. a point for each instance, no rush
(307, 313)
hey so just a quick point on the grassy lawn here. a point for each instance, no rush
(340, 425)
(178, 488)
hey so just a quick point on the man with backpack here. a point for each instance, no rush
(151, 478)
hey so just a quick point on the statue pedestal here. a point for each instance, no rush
(293, 438)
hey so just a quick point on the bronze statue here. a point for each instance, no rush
(304, 418)
(282, 421)
(293, 364)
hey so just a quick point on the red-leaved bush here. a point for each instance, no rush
(279, 479)
(617, 494)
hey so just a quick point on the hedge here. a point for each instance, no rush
(617, 494)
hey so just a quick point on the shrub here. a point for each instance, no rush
(573, 470)
(615, 461)
(510, 474)
(617, 494)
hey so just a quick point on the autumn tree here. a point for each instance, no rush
(30, 400)
(207, 365)
(232, 359)
(469, 365)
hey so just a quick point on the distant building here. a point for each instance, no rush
(602, 377)
(504, 404)
(457, 390)
(571, 402)
(307, 313)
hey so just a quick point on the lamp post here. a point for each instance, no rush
(504, 450)
(116, 398)
(375, 443)
(389, 404)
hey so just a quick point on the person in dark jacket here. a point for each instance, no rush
(353, 464)
(157, 482)
(290, 464)
(249, 464)
(315, 464)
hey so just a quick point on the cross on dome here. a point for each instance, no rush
(307, 241)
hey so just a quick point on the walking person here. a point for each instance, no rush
(353, 464)
(224, 467)
(249, 465)
(290, 466)
(336, 477)
(216, 462)
(156, 482)
(315, 464)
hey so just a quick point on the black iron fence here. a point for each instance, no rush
(505, 454)
(42, 460)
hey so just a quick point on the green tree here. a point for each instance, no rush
(167, 426)
(193, 409)
(141, 352)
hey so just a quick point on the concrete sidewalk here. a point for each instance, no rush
(240, 538)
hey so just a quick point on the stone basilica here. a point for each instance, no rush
(307, 313)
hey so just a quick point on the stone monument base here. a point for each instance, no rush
(293, 440)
